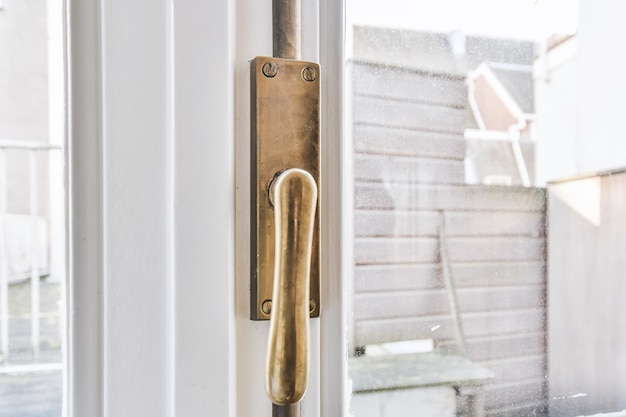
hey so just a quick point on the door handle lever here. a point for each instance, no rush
(293, 194)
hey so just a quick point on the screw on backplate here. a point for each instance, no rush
(266, 307)
(309, 74)
(312, 306)
(270, 69)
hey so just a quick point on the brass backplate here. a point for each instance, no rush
(285, 133)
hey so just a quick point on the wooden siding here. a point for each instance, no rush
(458, 224)
(406, 84)
(408, 166)
(389, 141)
(439, 327)
(390, 250)
(383, 111)
(450, 198)
(379, 278)
(587, 289)
(410, 304)
(374, 168)
(515, 396)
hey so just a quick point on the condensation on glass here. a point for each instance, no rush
(488, 180)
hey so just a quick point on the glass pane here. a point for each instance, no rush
(32, 213)
(489, 176)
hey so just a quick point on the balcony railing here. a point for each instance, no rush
(25, 246)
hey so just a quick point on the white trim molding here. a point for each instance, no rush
(150, 176)
(158, 222)
(336, 213)
(203, 199)
(85, 263)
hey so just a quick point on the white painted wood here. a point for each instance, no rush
(158, 182)
(136, 208)
(85, 333)
(126, 354)
(336, 214)
(325, 395)
(251, 337)
(203, 380)
(254, 18)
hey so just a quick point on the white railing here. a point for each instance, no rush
(24, 242)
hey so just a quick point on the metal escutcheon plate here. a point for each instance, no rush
(285, 133)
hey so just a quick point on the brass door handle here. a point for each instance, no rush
(293, 194)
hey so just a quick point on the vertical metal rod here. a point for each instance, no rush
(34, 274)
(287, 41)
(4, 269)
(450, 285)
(286, 28)
(292, 410)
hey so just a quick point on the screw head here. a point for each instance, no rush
(266, 307)
(270, 69)
(309, 74)
(312, 305)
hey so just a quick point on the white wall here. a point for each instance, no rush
(556, 104)
(32, 109)
(602, 65)
(23, 70)
(23, 93)
(580, 113)
(586, 289)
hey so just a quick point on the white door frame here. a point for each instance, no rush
(158, 216)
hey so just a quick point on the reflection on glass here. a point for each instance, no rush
(32, 242)
(487, 263)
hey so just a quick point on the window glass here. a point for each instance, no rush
(489, 180)
(32, 225)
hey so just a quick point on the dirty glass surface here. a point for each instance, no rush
(32, 241)
(489, 180)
